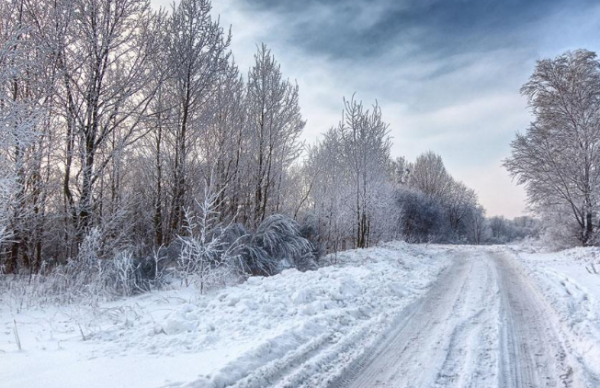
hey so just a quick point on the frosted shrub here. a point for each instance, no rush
(94, 275)
(122, 275)
(276, 244)
(204, 249)
(252, 259)
(198, 259)
(83, 273)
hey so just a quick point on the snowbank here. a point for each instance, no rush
(285, 329)
(569, 281)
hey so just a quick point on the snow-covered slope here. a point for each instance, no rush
(297, 329)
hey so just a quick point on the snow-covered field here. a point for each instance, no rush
(296, 329)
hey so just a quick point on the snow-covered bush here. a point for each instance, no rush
(309, 229)
(251, 259)
(121, 275)
(95, 274)
(204, 256)
(279, 236)
(277, 244)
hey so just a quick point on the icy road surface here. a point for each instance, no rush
(483, 324)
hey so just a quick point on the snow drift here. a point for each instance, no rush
(293, 329)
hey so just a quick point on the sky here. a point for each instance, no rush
(446, 73)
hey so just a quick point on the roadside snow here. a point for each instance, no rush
(293, 329)
(569, 282)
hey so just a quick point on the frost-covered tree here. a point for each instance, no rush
(503, 230)
(557, 159)
(366, 150)
(429, 175)
(104, 54)
(197, 54)
(22, 89)
(352, 192)
(328, 192)
(275, 123)
(224, 142)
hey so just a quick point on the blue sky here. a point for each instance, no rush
(447, 73)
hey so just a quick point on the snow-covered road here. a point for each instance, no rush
(483, 324)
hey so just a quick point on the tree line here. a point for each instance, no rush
(131, 132)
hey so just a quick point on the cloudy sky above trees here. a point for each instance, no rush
(447, 73)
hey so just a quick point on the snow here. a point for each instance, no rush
(484, 323)
(570, 285)
(311, 329)
(295, 328)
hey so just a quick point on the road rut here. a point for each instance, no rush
(481, 325)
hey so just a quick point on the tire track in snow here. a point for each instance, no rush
(471, 357)
(537, 337)
(481, 325)
(411, 355)
(532, 354)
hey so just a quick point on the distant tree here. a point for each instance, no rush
(478, 226)
(500, 229)
(558, 156)
(460, 204)
(503, 230)
(421, 217)
(401, 170)
(429, 175)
